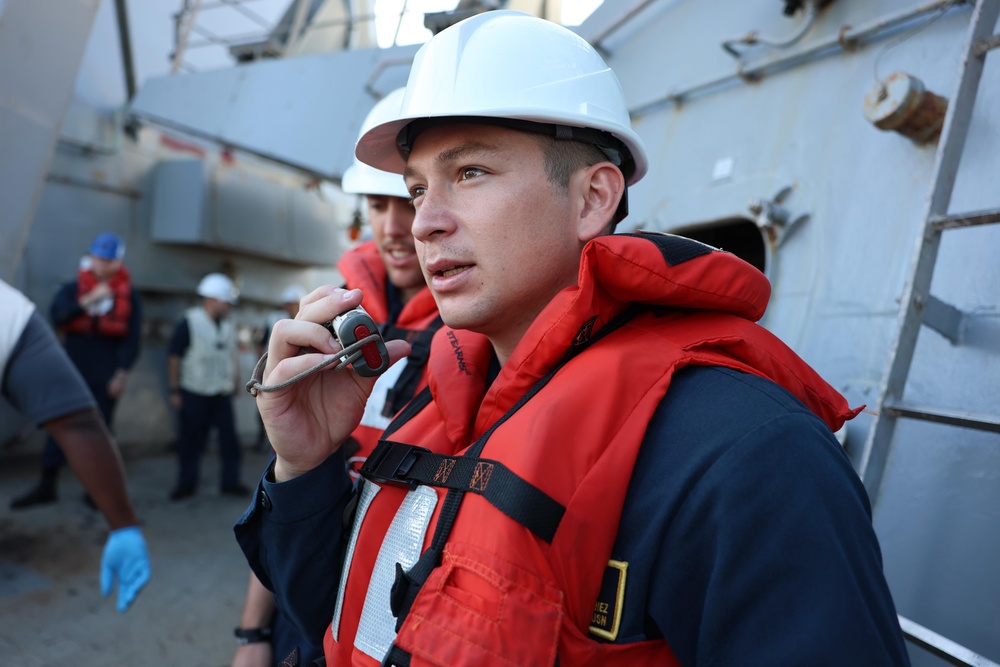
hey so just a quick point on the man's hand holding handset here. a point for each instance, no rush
(310, 419)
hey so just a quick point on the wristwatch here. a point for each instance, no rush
(252, 635)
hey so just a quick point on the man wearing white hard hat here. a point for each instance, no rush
(290, 305)
(386, 270)
(290, 297)
(613, 463)
(202, 376)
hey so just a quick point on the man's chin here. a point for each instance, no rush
(460, 318)
(406, 279)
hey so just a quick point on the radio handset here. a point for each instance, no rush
(351, 328)
(356, 325)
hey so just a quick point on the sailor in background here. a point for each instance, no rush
(290, 307)
(201, 374)
(99, 316)
(386, 269)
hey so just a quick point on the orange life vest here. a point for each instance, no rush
(362, 268)
(115, 321)
(504, 579)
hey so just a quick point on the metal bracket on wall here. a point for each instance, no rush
(773, 217)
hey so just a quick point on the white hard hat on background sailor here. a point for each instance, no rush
(362, 179)
(218, 286)
(293, 294)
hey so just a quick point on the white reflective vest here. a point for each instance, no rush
(15, 310)
(208, 367)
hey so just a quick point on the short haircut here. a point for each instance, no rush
(564, 157)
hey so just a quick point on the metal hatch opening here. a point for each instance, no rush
(740, 236)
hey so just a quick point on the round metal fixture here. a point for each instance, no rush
(901, 103)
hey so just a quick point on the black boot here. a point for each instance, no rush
(44, 492)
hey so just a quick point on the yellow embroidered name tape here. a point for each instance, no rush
(608, 608)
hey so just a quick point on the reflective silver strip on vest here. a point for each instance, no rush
(368, 491)
(402, 544)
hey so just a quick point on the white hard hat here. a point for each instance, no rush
(512, 66)
(218, 286)
(364, 180)
(293, 293)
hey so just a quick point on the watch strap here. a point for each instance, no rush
(252, 635)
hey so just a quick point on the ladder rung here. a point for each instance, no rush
(951, 652)
(987, 217)
(963, 419)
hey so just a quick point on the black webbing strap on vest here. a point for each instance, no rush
(420, 349)
(399, 464)
(396, 657)
(408, 583)
(407, 413)
(412, 408)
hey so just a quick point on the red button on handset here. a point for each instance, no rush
(356, 325)
(370, 351)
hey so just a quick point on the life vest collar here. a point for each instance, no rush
(660, 270)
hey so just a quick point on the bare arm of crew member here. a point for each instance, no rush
(237, 382)
(309, 420)
(94, 457)
(258, 607)
(174, 381)
(258, 612)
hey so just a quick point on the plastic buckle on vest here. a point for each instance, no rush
(391, 465)
(396, 657)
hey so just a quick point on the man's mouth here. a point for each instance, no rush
(443, 268)
(400, 253)
(453, 271)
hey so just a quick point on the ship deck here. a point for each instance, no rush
(51, 610)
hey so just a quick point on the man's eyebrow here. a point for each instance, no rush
(465, 151)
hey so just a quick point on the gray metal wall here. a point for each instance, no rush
(40, 59)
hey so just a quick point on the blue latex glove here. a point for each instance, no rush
(125, 557)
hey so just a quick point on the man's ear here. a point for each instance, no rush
(601, 186)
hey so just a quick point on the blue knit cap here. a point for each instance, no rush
(108, 246)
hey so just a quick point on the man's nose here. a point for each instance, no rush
(433, 217)
(399, 218)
